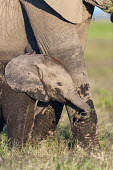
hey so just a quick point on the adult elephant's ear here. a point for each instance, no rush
(22, 75)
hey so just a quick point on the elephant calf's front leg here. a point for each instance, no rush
(47, 116)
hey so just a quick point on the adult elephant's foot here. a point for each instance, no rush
(84, 132)
(47, 116)
(84, 127)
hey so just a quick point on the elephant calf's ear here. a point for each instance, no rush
(23, 77)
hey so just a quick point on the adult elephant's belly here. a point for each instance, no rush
(13, 40)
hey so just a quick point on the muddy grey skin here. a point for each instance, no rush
(43, 77)
(23, 26)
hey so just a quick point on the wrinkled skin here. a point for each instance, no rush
(17, 37)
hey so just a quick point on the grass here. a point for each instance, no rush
(101, 30)
(56, 153)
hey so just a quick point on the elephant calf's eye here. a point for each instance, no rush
(59, 83)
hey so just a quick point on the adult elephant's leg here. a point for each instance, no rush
(59, 38)
(18, 111)
(83, 124)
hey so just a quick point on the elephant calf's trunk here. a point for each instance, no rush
(77, 101)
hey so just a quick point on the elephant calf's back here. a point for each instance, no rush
(13, 40)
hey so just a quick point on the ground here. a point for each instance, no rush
(57, 153)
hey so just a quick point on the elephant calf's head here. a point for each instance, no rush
(42, 78)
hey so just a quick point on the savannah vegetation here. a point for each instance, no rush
(57, 152)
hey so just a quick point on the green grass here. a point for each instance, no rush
(103, 30)
(57, 152)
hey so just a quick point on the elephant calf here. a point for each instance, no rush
(43, 77)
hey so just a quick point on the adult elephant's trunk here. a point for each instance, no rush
(74, 98)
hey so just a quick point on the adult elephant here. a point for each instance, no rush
(58, 29)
